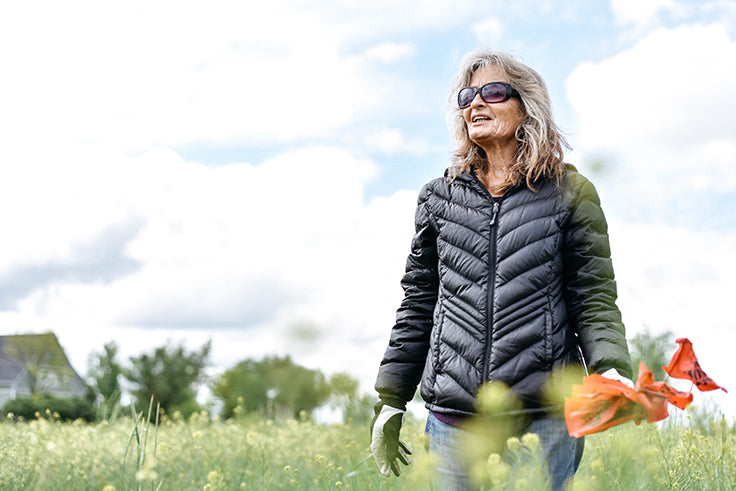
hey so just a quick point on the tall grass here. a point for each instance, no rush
(248, 453)
(675, 454)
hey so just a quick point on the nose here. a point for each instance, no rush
(477, 100)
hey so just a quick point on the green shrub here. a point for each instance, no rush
(66, 409)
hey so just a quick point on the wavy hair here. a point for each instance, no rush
(540, 145)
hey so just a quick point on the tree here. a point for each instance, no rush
(356, 409)
(654, 351)
(343, 385)
(170, 375)
(273, 386)
(104, 373)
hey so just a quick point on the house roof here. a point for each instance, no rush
(45, 345)
(9, 369)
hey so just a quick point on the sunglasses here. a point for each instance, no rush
(492, 93)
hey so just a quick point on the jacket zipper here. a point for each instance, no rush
(491, 288)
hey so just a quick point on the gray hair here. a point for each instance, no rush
(540, 143)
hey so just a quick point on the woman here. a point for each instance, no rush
(509, 279)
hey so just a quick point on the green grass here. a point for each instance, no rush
(250, 453)
(684, 454)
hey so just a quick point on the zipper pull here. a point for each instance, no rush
(495, 212)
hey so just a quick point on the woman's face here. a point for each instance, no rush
(492, 124)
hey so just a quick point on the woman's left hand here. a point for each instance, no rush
(385, 443)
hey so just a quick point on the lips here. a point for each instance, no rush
(476, 119)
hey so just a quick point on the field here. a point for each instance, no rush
(692, 452)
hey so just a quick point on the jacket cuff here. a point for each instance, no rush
(389, 401)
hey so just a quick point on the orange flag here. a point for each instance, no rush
(600, 403)
(684, 365)
(646, 383)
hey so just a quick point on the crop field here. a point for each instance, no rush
(202, 453)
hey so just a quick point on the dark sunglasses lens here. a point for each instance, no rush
(493, 92)
(465, 97)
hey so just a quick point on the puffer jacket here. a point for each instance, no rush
(510, 289)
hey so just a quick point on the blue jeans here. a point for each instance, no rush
(562, 452)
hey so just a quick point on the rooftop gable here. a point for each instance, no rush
(31, 351)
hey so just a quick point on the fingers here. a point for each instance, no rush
(403, 446)
(390, 463)
(404, 458)
(394, 465)
(403, 453)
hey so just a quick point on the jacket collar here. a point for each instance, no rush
(470, 179)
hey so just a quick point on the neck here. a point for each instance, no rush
(500, 155)
(500, 158)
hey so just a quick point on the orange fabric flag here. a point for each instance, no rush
(600, 403)
(646, 383)
(685, 365)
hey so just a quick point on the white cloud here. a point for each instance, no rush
(662, 289)
(639, 12)
(488, 32)
(379, 18)
(665, 107)
(390, 52)
(148, 74)
(392, 141)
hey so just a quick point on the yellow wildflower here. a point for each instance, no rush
(530, 441)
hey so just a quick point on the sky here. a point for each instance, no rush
(247, 172)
